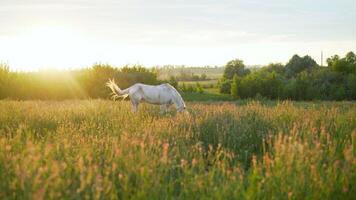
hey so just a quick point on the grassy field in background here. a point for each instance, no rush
(210, 72)
(207, 83)
(240, 150)
(211, 92)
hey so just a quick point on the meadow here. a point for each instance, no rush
(98, 149)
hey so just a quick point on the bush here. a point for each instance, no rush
(300, 79)
(5, 78)
(84, 83)
(234, 87)
(351, 86)
(199, 89)
(225, 87)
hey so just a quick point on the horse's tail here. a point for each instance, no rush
(116, 91)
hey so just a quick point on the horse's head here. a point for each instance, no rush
(181, 108)
(180, 105)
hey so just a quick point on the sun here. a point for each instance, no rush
(49, 34)
(49, 40)
(48, 44)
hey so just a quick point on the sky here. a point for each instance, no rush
(36, 34)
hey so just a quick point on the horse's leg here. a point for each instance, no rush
(134, 105)
(166, 107)
(163, 108)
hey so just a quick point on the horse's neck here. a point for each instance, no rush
(178, 101)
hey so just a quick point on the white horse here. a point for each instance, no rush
(163, 95)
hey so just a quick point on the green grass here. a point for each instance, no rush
(240, 150)
(209, 95)
(205, 96)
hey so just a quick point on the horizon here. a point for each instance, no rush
(67, 34)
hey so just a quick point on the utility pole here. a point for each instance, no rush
(321, 59)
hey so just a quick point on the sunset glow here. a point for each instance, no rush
(73, 34)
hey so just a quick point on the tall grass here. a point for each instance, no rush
(100, 150)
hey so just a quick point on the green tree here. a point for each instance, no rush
(275, 67)
(234, 87)
(302, 83)
(225, 86)
(298, 64)
(351, 86)
(351, 57)
(95, 79)
(235, 67)
(344, 65)
(332, 60)
(341, 66)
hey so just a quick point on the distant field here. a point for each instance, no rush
(241, 150)
(202, 83)
(210, 72)
(211, 92)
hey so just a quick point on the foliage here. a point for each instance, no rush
(198, 87)
(5, 80)
(225, 86)
(234, 87)
(235, 67)
(332, 60)
(300, 79)
(298, 64)
(267, 84)
(351, 86)
(187, 88)
(345, 65)
(84, 83)
(190, 88)
(275, 67)
(100, 150)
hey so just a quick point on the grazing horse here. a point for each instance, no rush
(163, 95)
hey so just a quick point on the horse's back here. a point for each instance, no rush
(162, 89)
(168, 86)
(157, 94)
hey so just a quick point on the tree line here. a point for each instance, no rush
(83, 83)
(189, 73)
(300, 79)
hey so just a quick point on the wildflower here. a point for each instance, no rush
(164, 158)
(183, 163)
